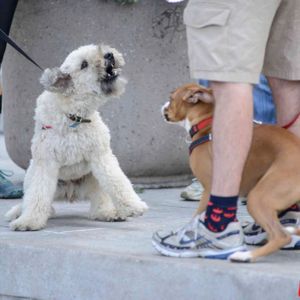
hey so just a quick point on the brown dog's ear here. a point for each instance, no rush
(198, 93)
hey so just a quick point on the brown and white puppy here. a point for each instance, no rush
(271, 174)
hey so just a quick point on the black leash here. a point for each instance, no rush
(8, 40)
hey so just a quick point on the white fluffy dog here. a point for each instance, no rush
(71, 154)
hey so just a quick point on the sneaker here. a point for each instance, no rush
(195, 240)
(193, 192)
(174, 1)
(255, 235)
(7, 189)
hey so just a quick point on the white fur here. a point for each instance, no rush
(81, 157)
(241, 256)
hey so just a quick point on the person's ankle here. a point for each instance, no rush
(220, 212)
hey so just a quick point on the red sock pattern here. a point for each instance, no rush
(220, 212)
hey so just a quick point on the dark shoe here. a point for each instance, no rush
(7, 189)
(255, 235)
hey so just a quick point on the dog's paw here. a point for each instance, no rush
(133, 209)
(139, 208)
(106, 215)
(24, 223)
(241, 256)
(14, 213)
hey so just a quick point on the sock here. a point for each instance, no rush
(294, 207)
(220, 212)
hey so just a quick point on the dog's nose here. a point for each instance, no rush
(109, 57)
(164, 111)
(166, 117)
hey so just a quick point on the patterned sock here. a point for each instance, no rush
(220, 212)
(294, 207)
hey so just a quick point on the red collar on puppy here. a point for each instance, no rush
(202, 124)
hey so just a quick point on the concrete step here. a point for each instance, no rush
(75, 258)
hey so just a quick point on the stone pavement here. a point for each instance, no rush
(75, 258)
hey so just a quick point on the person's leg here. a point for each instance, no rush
(282, 63)
(286, 95)
(232, 133)
(7, 10)
(217, 34)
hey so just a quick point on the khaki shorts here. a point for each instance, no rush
(236, 40)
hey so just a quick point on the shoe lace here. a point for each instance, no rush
(6, 173)
(191, 226)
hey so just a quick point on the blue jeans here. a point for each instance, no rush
(264, 109)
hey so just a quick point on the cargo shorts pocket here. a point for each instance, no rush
(207, 27)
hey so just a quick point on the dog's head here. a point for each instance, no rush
(187, 102)
(88, 70)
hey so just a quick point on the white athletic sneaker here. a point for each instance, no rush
(255, 235)
(193, 192)
(195, 240)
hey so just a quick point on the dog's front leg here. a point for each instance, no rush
(203, 202)
(113, 181)
(39, 192)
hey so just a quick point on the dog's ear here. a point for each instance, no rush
(198, 93)
(54, 80)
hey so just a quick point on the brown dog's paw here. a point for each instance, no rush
(241, 256)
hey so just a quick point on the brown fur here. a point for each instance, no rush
(271, 176)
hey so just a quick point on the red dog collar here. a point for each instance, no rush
(202, 124)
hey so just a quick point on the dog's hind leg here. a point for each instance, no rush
(114, 183)
(267, 218)
(277, 236)
(203, 202)
(36, 206)
(270, 196)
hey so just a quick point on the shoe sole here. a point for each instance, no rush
(186, 197)
(294, 244)
(189, 199)
(210, 254)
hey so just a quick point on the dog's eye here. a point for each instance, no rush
(84, 64)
